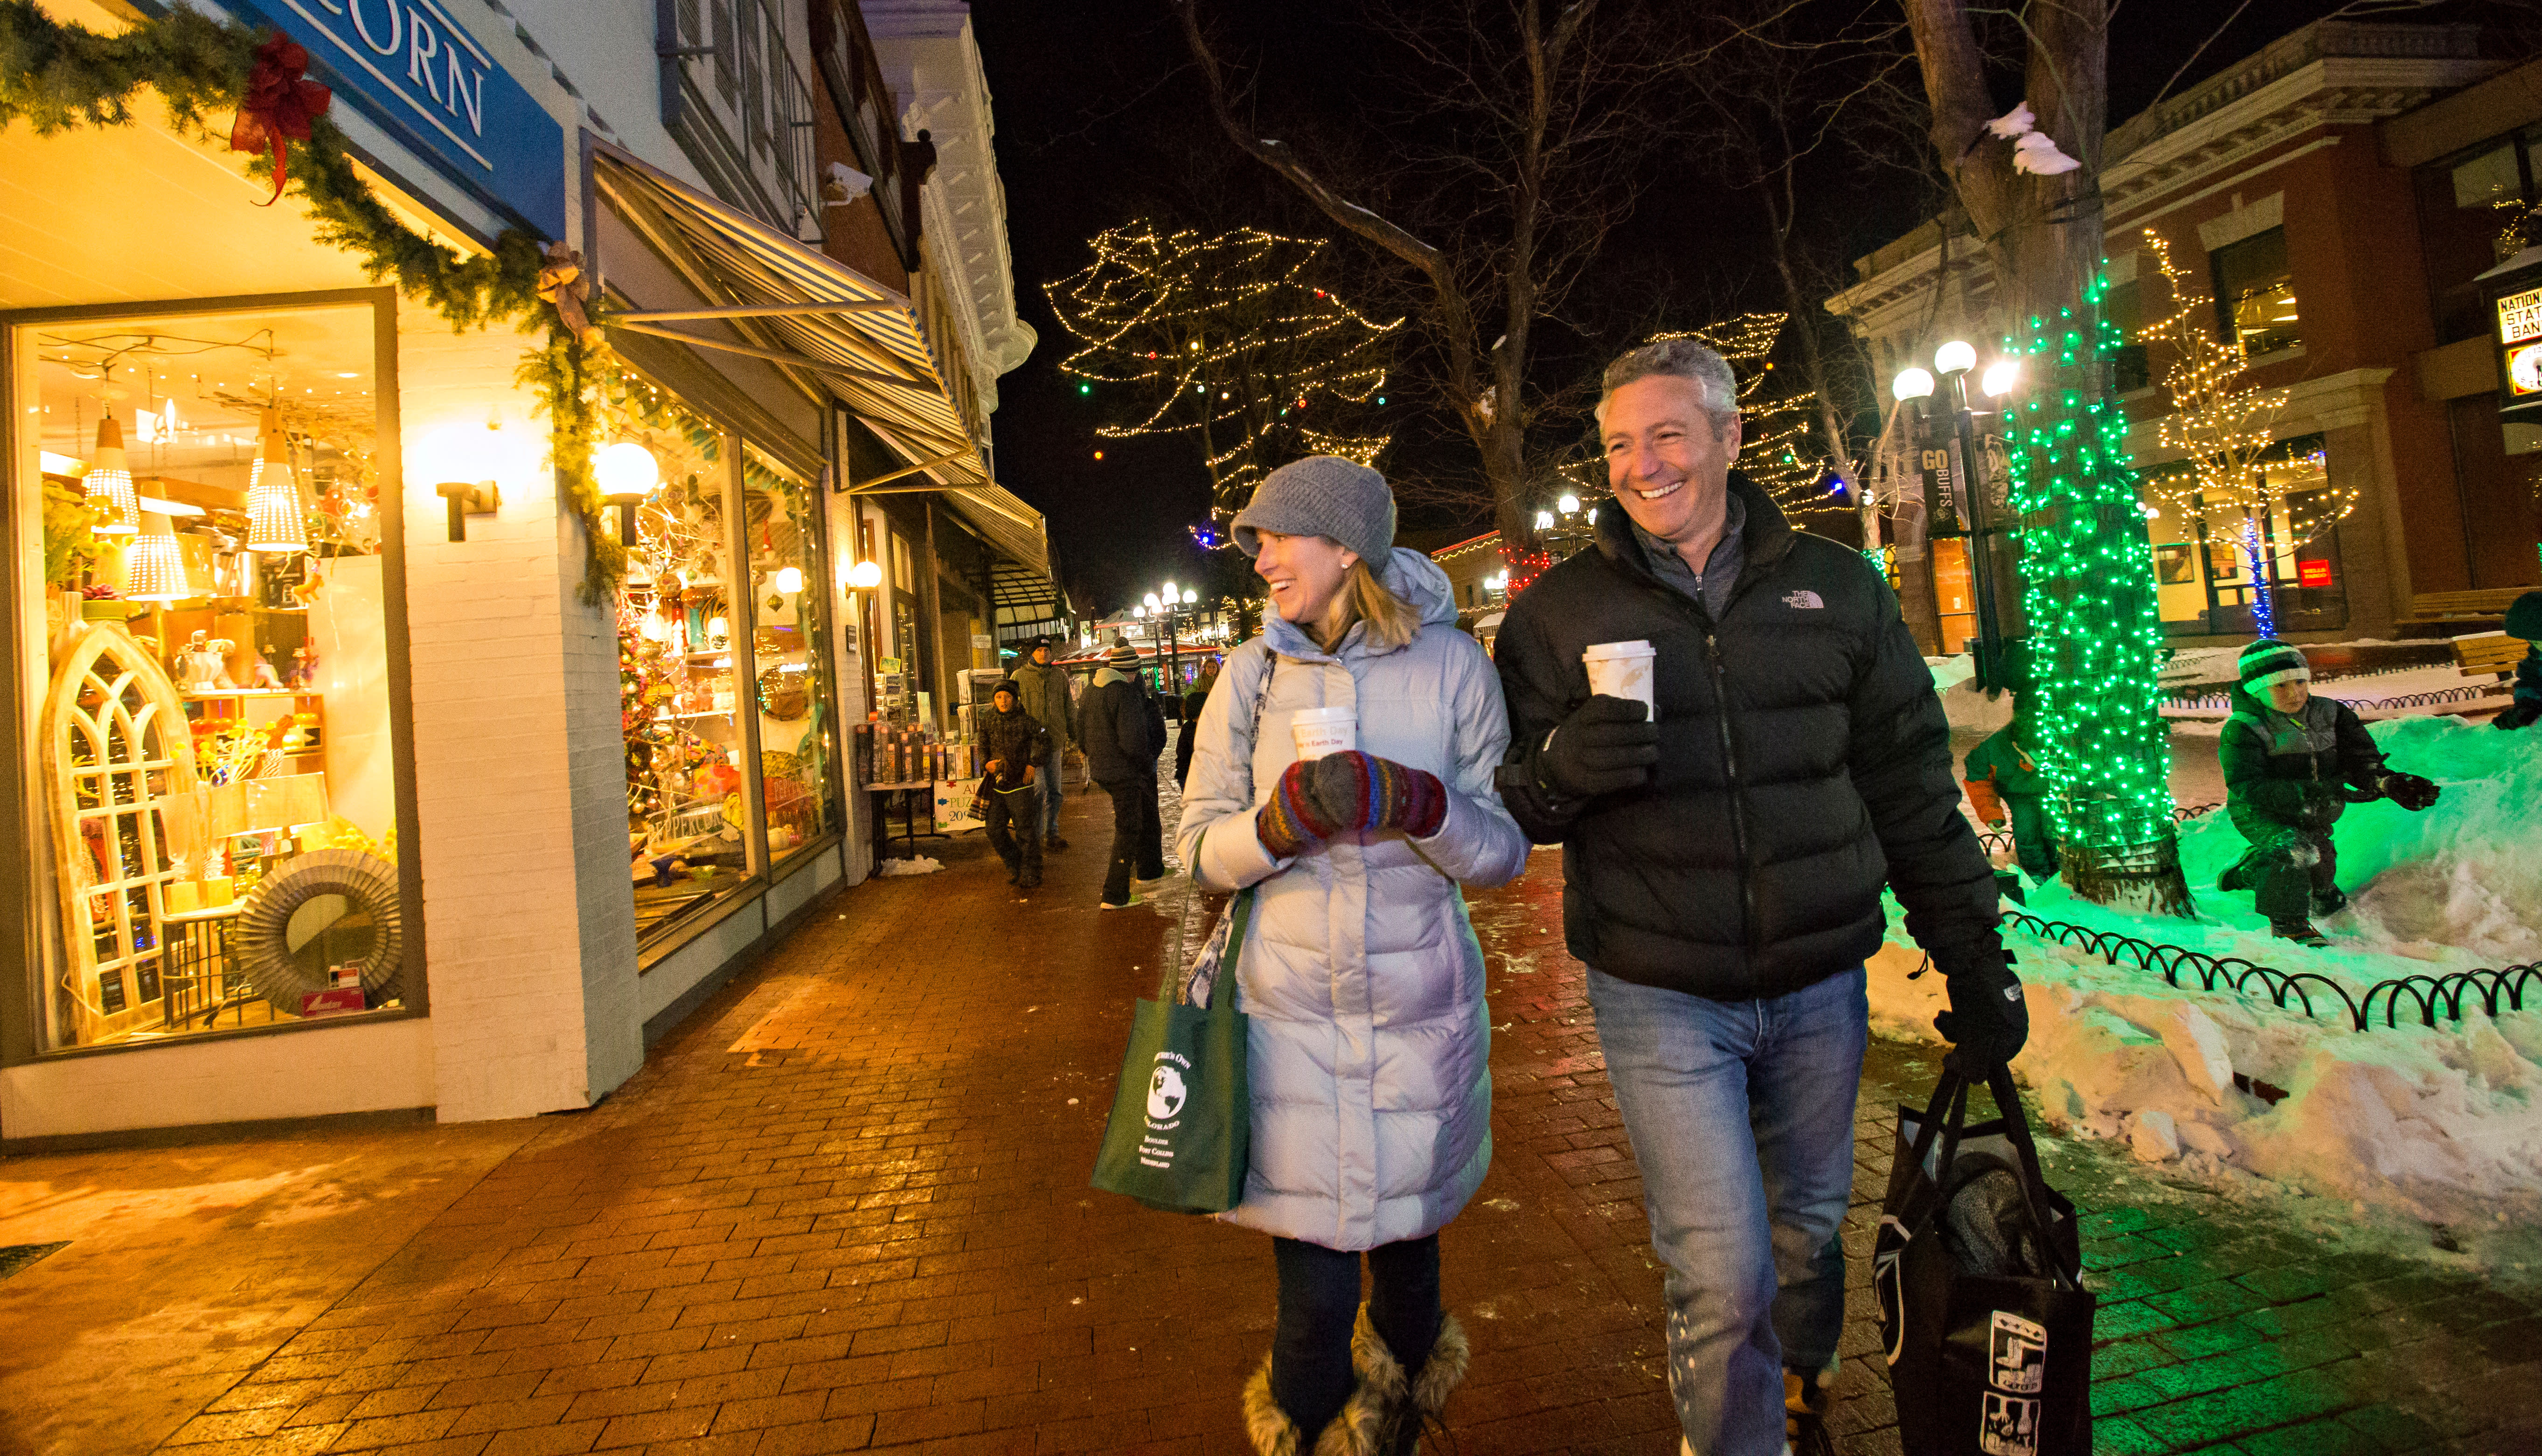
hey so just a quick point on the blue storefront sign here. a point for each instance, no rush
(407, 65)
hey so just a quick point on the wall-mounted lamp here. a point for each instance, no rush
(864, 576)
(465, 458)
(626, 473)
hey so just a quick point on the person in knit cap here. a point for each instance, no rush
(1368, 1043)
(1122, 734)
(1014, 746)
(2293, 764)
(2524, 620)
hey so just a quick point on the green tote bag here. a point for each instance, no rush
(1182, 1116)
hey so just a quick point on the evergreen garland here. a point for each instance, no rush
(61, 76)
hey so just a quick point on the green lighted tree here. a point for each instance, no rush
(1229, 339)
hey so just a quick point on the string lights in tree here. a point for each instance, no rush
(1774, 427)
(1228, 338)
(2219, 426)
(2096, 631)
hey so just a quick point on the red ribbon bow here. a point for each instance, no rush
(279, 105)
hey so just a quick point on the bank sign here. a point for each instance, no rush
(409, 66)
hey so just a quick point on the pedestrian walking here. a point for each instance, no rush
(1369, 1038)
(2293, 763)
(1015, 746)
(1726, 838)
(2524, 620)
(1043, 693)
(1193, 702)
(1118, 729)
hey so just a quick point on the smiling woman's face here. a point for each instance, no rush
(1305, 573)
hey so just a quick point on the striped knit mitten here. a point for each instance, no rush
(1288, 822)
(1361, 791)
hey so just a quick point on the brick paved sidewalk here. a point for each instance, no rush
(845, 1209)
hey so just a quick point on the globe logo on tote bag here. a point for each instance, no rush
(1164, 1092)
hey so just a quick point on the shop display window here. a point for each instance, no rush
(681, 654)
(2255, 293)
(214, 753)
(798, 739)
(724, 675)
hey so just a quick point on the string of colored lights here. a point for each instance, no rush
(1228, 338)
(2089, 592)
(2219, 427)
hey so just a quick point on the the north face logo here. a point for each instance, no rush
(1165, 1093)
(1804, 600)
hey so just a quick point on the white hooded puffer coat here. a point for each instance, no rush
(1370, 1043)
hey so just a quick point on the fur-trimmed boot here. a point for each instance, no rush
(1409, 1407)
(1356, 1431)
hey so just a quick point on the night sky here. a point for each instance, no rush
(1102, 120)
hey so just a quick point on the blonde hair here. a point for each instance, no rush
(1391, 621)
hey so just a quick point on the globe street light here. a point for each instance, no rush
(1956, 356)
(2000, 379)
(1911, 384)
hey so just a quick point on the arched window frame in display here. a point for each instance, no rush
(106, 659)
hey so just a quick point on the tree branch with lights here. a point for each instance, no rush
(2219, 426)
(1230, 340)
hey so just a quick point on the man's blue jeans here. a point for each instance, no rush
(1741, 1114)
(1052, 768)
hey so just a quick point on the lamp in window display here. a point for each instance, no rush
(108, 483)
(626, 473)
(275, 522)
(154, 565)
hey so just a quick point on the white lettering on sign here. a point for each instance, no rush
(2519, 317)
(445, 70)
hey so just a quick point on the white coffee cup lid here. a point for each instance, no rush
(1326, 715)
(1603, 650)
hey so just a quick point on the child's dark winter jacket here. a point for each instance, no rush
(2296, 773)
(1016, 740)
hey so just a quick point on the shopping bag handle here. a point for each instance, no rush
(1947, 1114)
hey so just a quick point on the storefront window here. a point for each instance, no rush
(2255, 292)
(680, 658)
(214, 753)
(2210, 546)
(798, 743)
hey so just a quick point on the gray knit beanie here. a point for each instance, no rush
(1322, 496)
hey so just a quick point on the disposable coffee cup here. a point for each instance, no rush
(1623, 670)
(1324, 730)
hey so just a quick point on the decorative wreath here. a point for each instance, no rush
(261, 937)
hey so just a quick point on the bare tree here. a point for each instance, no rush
(1533, 121)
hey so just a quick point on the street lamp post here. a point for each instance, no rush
(1957, 487)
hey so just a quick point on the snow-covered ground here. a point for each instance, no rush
(2443, 1125)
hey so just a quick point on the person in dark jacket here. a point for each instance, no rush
(1723, 867)
(1043, 686)
(1193, 701)
(1015, 746)
(2293, 763)
(1120, 731)
(2524, 620)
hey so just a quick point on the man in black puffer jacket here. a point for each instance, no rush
(1723, 867)
(1122, 733)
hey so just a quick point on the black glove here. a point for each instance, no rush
(1606, 745)
(2410, 791)
(2517, 716)
(1987, 1022)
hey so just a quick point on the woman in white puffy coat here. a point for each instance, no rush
(1360, 974)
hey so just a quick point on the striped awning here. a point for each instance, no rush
(782, 302)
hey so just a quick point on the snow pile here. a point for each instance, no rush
(2441, 1125)
(919, 865)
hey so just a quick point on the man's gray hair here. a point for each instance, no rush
(1684, 359)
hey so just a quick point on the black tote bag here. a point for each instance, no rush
(1979, 1270)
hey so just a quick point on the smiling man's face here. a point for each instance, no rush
(1667, 462)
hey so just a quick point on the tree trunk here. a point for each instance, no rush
(2086, 563)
